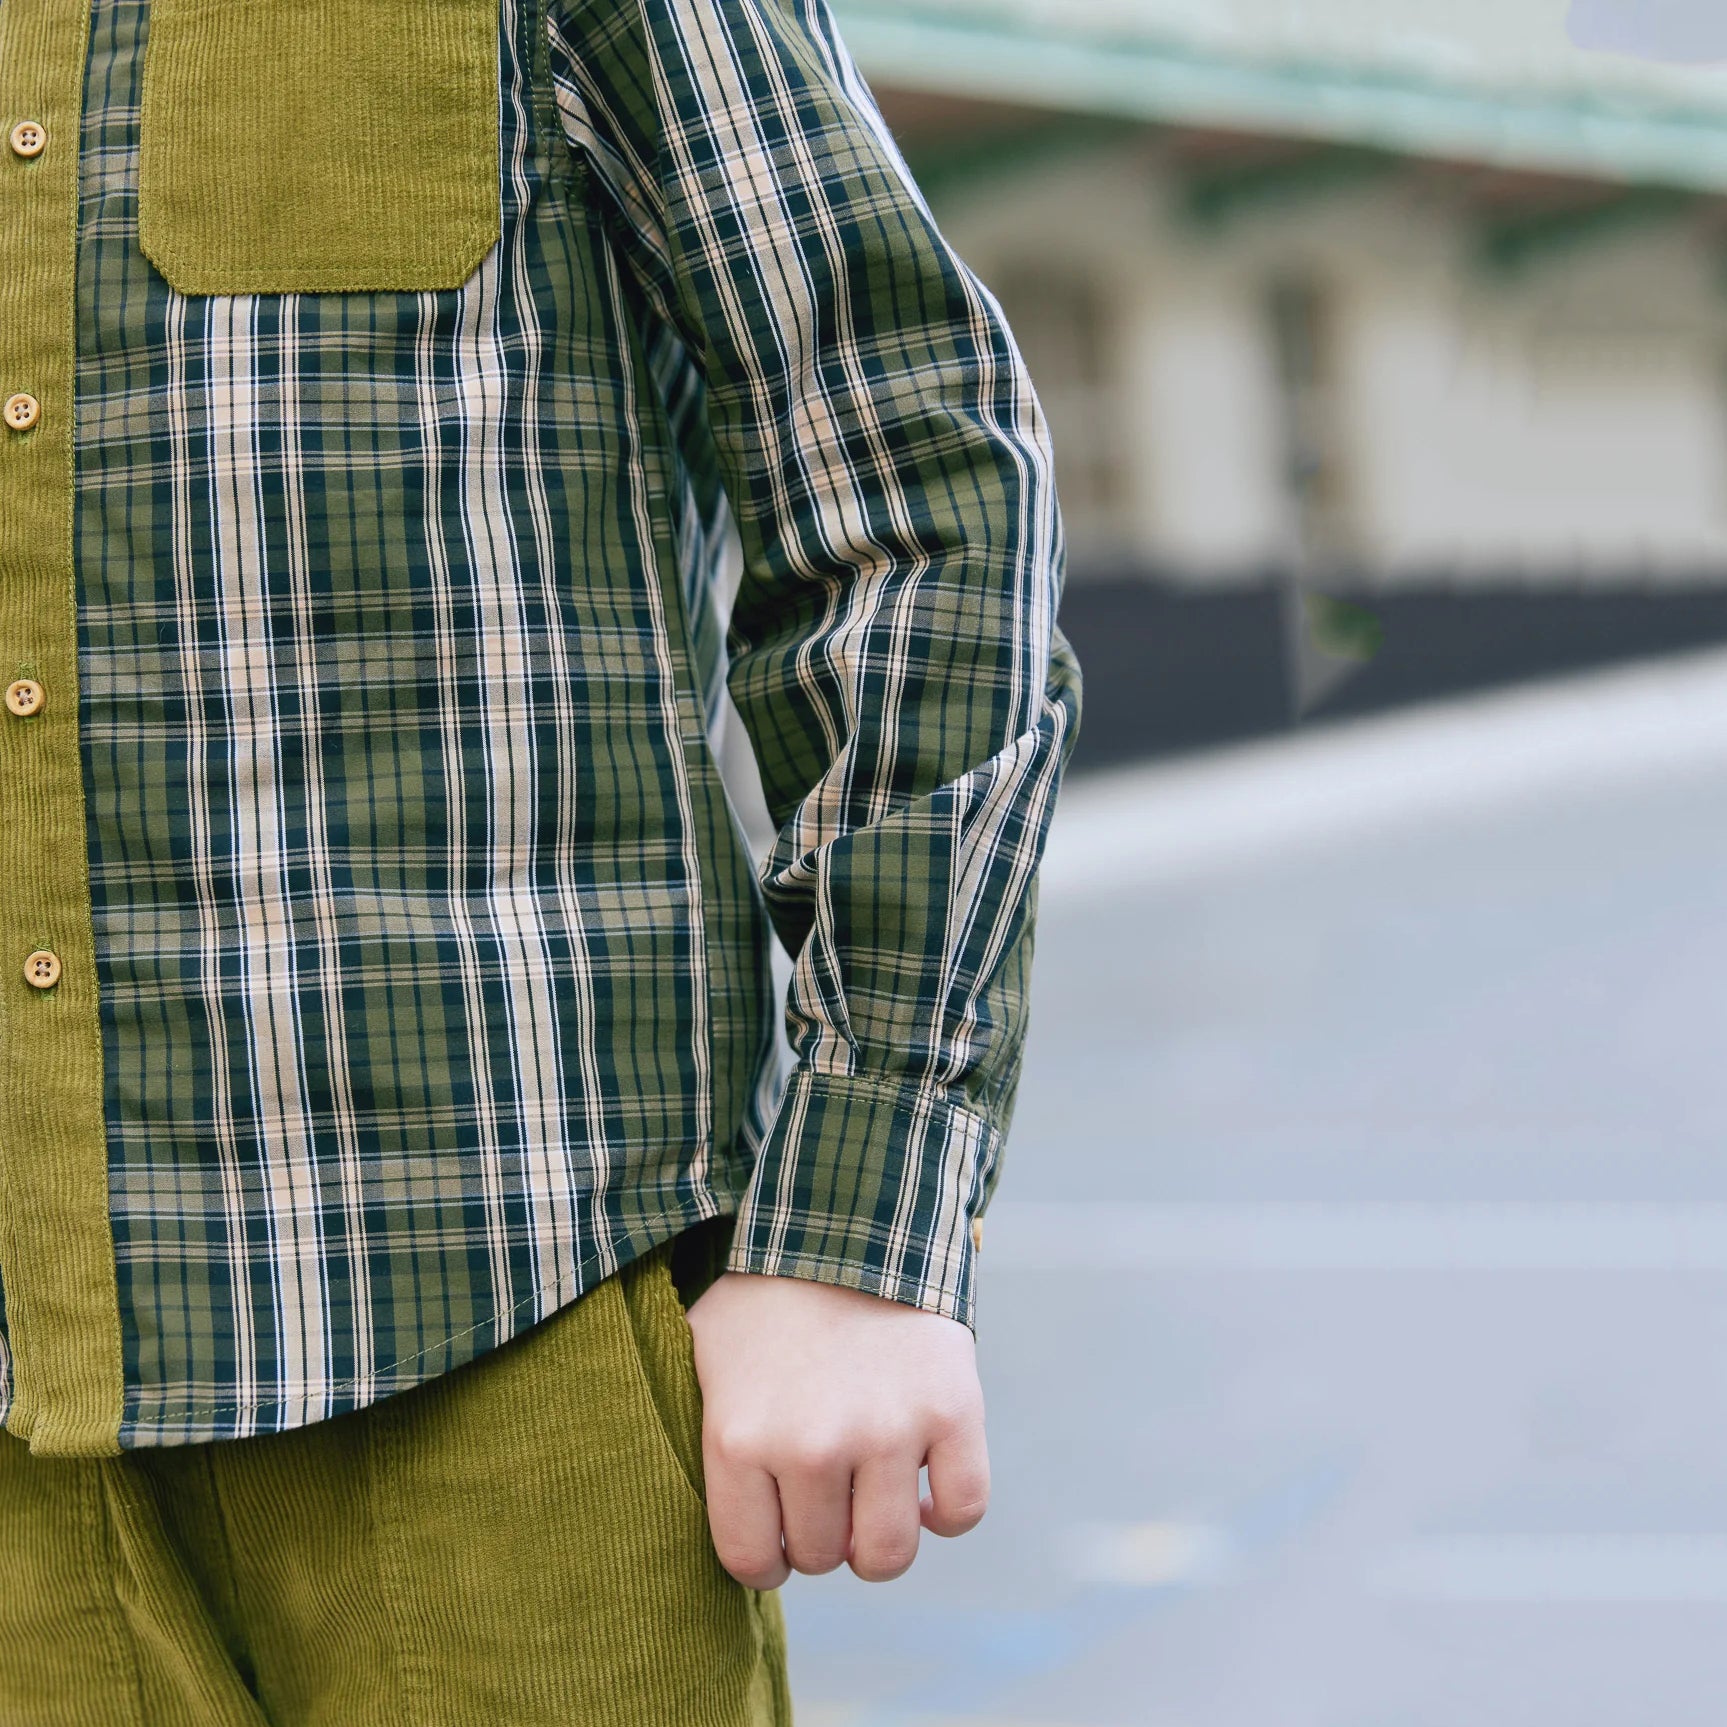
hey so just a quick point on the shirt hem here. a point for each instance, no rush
(165, 1425)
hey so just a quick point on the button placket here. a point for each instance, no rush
(64, 1329)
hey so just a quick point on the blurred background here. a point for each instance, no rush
(1354, 1315)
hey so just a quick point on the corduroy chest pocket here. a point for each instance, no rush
(319, 146)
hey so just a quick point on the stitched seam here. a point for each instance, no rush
(639, 1290)
(100, 1521)
(413, 1676)
(230, 1576)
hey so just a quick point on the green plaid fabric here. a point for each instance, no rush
(433, 970)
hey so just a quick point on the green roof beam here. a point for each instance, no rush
(1215, 194)
(952, 165)
(1512, 245)
(1139, 75)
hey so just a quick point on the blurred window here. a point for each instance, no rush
(1314, 478)
(1067, 329)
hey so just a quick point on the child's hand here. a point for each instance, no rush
(821, 1406)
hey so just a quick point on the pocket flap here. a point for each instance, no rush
(319, 146)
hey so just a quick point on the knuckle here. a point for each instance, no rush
(966, 1511)
(973, 1490)
(735, 1442)
(883, 1563)
(755, 1567)
(817, 1561)
(819, 1454)
(956, 1420)
(890, 1438)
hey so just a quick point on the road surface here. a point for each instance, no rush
(1354, 1314)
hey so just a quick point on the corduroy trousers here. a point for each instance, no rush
(521, 1543)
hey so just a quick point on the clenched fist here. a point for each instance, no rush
(821, 1406)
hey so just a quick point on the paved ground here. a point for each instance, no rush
(1355, 1317)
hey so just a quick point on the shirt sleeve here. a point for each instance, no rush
(894, 653)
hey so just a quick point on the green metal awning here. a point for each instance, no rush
(1471, 81)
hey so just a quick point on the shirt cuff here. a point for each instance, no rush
(869, 1185)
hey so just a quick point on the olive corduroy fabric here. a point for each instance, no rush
(520, 1542)
(372, 163)
(60, 1307)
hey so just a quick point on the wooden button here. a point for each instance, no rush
(42, 969)
(22, 412)
(24, 698)
(29, 138)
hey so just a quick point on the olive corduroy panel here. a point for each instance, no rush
(60, 1327)
(520, 1542)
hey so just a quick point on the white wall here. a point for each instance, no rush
(1570, 421)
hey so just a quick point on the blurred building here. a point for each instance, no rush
(1385, 345)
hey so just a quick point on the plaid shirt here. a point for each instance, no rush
(382, 962)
